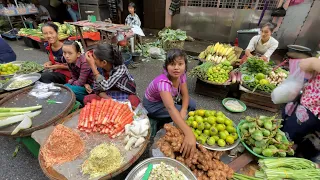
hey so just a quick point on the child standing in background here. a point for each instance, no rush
(132, 19)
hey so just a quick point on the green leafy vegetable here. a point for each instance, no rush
(172, 35)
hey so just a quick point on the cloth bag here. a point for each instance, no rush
(289, 89)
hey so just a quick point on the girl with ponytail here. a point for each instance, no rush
(115, 82)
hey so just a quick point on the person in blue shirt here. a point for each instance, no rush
(6, 53)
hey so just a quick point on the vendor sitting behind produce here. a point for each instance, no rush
(81, 73)
(262, 45)
(301, 117)
(6, 53)
(167, 97)
(116, 82)
(56, 68)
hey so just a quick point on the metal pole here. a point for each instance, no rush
(12, 26)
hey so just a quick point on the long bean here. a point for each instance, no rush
(286, 173)
(293, 163)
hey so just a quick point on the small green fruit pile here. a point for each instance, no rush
(264, 137)
(219, 73)
(8, 69)
(211, 127)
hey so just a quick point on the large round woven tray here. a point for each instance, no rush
(217, 84)
(50, 113)
(54, 175)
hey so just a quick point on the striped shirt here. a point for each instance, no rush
(119, 78)
(81, 73)
(160, 84)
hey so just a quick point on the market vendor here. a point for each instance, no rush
(81, 73)
(6, 52)
(262, 45)
(116, 82)
(167, 96)
(56, 68)
(301, 117)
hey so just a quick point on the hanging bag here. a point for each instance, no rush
(279, 12)
(289, 89)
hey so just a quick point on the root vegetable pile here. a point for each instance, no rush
(63, 145)
(277, 77)
(105, 116)
(263, 135)
(204, 164)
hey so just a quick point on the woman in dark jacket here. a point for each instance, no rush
(6, 52)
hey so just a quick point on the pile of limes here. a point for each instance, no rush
(219, 73)
(212, 127)
(8, 69)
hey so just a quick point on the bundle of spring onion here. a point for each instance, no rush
(10, 116)
(287, 168)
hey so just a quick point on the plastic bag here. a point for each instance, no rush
(44, 91)
(289, 89)
(154, 149)
(156, 53)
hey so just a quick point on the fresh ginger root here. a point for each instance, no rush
(204, 164)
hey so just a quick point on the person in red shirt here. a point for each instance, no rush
(56, 69)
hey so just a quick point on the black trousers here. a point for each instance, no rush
(53, 77)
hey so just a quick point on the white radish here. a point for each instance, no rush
(139, 142)
(25, 124)
(144, 128)
(131, 142)
(144, 121)
(127, 128)
(15, 119)
(126, 139)
(135, 129)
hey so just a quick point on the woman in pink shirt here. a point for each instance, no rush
(167, 97)
(301, 117)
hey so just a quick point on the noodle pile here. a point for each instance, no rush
(103, 159)
(63, 145)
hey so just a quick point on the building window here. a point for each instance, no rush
(231, 4)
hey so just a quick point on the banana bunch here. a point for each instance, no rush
(63, 36)
(219, 53)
